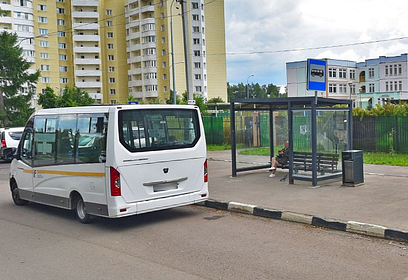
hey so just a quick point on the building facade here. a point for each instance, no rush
(116, 49)
(367, 83)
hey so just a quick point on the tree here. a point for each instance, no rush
(14, 107)
(215, 100)
(71, 97)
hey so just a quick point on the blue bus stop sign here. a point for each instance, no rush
(133, 102)
(316, 74)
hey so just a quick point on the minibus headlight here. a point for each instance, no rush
(115, 182)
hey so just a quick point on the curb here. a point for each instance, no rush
(348, 226)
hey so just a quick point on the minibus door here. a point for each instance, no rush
(25, 172)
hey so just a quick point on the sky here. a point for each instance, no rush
(272, 26)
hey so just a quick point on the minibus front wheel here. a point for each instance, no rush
(16, 195)
(80, 210)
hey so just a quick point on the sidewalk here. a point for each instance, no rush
(382, 200)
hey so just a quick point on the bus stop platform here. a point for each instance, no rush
(377, 207)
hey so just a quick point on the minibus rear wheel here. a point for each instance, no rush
(16, 195)
(80, 211)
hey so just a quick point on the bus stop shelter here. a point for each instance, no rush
(318, 129)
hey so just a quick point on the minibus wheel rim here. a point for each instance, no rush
(81, 210)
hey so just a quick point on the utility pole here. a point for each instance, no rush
(187, 57)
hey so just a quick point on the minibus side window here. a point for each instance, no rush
(26, 147)
(91, 138)
(66, 139)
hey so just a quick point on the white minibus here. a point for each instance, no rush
(112, 161)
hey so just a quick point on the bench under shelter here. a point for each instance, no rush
(318, 130)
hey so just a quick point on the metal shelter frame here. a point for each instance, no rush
(290, 104)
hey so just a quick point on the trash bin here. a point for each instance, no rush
(352, 166)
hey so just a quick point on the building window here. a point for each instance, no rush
(110, 46)
(60, 22)
(343, 73)
(164, 76)
(371, 72)
(332, 88)
(332, 73)
(110, 34)
(195, 5)
(163, 52)
(162, 27)
(60, 11)
(370, 88)
(197, 76)
(113, 101)
(162, 15)
(108, 12)
(44, 55)
(43, 19)
(61, 34)
(352, 74)
(197, 64)
(112, 91)
(400, 85)
(43, 31)
(62, 45)
(164, 64)
(196, 29)
(196, 41)
(64, 80)
(386, 86)
(386, 70)
(45, 79)
(41, 7)
(45, 67)
(395, 85)
(111, 69)
(353, 89)
(391, 88)
(62, 57)
(165, 88)
(198, 88)
(63, 68)
(112, 80)
(342, 88)
(390, 70)
(111, 57)
(399, 69)
(196, 17)
(43, 43)
(197, 53)
(163, 40)
(109, 23)
(395, 70)
(149, 39)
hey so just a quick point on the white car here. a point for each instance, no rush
(9, 137)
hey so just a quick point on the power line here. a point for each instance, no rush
(315, 48)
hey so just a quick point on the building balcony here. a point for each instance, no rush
(85, 26)
(134, 35)
(88, 84)
(84, 3)
(87, 49)
(88, 73)
(134, 47)
(87, 61)
(96, 95)
(135, 71)
(148, 8)
(87, 38)
(85, 15)
(134, 59)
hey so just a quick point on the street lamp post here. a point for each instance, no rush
(248, 86)
(172, 54)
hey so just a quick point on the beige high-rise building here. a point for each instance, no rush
(113, 49)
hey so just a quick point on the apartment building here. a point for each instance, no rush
(113, 49)
(149, 26)
(367, 83)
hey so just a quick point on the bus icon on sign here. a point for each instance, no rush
(317, 72)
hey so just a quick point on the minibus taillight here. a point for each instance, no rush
(3, 143)
(115, 182)
(205, 172)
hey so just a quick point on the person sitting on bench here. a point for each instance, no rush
(282, 158)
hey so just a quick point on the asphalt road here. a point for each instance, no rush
(40, 242)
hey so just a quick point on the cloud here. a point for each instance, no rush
(262, 25)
